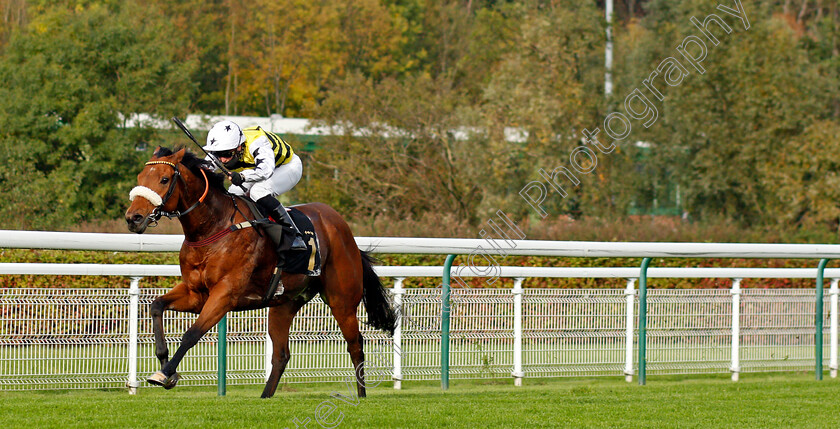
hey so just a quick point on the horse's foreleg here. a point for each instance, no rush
(279, 323)
(212, 312)
(156, 311)
(177, 299)
(214, 309)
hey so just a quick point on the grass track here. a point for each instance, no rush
(758, 400)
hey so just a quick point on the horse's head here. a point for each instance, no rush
(157, 191)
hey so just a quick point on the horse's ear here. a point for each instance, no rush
(156, 152)
(178, 156)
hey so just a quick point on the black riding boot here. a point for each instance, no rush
(279, 213)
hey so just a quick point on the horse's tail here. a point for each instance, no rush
(378, 303)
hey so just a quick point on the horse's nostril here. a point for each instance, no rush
(136, 219)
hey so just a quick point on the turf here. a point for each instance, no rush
(758, 400)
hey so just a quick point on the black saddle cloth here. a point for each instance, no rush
(303, 261)
(297, 261)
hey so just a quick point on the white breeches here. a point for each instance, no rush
(284, 178)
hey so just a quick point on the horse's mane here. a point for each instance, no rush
(196, 164)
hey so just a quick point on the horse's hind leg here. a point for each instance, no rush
(279, 324)
(349, 325)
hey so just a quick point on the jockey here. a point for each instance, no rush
(261, 164)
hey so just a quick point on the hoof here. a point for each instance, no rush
(160, 379)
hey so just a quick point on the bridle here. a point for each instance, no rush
(153, 217)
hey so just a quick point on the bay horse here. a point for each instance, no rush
(230, 272)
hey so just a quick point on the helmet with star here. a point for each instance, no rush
(224, 136)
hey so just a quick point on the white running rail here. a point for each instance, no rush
(519, 331)
(516, 331)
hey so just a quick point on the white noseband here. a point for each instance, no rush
(142, 191)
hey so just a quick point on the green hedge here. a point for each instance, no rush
(63, 256)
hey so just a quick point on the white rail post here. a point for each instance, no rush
(133, 310)
(832, 293)
(517, 332)
(269, 351)
(398, 293)
(630, 295)
(736, 329)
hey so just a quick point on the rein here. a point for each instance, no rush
(157, 213)
(233, 228)
(218, 236)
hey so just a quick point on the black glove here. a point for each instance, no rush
(236, 179)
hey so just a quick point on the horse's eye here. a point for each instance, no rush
(164, 180)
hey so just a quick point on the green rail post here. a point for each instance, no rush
(444, 324)
(818, 321)
(643, 322)
(222, 356)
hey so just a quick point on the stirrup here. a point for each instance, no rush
(275, 286)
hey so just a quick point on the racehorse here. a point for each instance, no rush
(223, 272)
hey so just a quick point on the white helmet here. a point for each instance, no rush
(225, 135)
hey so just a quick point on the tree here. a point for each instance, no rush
(13, 15)
(282, 54)
(721, 130)
(550, 87)
(807, 178)
(420, 143)
(397, 151)
(68, 75)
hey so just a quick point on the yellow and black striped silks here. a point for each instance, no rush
(282, 151)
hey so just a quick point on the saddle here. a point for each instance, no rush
(296, 261)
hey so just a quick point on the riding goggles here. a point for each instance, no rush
(225, 153)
